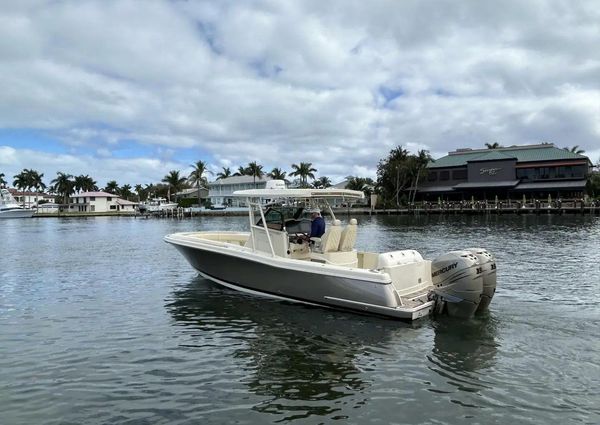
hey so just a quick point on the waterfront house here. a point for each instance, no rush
(32, 199)
(220, 191)
(192, 193)
(99, 202)
(512, 172)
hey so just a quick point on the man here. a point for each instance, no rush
(317, 226)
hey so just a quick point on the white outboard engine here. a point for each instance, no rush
(458, 283)
(488, 266)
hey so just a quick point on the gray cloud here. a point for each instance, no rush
(336, 83)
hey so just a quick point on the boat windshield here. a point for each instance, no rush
(286, 218)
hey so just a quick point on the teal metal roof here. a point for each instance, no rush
(532, 153)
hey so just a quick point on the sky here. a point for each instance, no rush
(129, 90)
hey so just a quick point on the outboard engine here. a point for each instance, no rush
(488, 266)
(458, 283)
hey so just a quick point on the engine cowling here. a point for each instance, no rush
(487, 262)
(458, 283)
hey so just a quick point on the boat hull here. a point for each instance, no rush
(268, 276)
(17, 213)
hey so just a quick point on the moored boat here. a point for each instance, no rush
(278, 258)
(9, 208)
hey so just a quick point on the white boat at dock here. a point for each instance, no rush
(277, 259)
(9, 208)
(156, 205)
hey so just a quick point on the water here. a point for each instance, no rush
(101, 322)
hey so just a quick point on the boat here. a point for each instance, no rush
(156, 205)
(277, 259)
(9, 208)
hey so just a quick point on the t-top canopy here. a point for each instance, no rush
(299, 193)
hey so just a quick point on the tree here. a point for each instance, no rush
(175, 181)
(575, 149)
(112, 187)
(255, 171)
(224, 174)
(420, 162)
(2, 181)
(304, 170)
(125, 191)
(139, 189)
(242, 171)
(362, 184)
(196, 177)
(85, 184)
(63, 185)
(277, 174)
(21, 181)
(322, 183)
(494, 145)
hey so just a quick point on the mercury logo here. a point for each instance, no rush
(444, 269)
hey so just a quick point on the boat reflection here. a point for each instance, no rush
(302, 361)
(463, 350)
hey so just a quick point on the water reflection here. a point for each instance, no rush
(463, 350)
(302, 361)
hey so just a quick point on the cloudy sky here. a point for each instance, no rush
(128, 90)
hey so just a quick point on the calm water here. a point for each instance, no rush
(101, 322)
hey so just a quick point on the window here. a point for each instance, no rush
(432, 176)
(109, 198)
(113, 207)
(92, 198)
(444, 175)
(459, 175)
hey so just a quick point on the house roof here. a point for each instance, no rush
(124, 202)
(526, 153)
(29, 193)
(239, 179)
(96, 194)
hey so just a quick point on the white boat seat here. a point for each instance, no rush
(348, 236)
(330, 240)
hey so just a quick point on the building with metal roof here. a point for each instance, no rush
(506, 172)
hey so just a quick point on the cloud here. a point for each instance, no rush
(335, 83)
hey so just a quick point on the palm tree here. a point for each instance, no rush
(242, 171)
(322, 183)
(575, 149)
(22, 181)
(422, 159)
(362, 184)
(63, 185)
(125, 191)
(305, 170)
(277, 174)
(139, 189)
(175, 181)
(85, 184)
(225, 173)
(255, 171)
(112, 187)
(494, 145)
(196, 177)
(2, 181)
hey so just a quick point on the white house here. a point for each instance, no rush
(220, 191)
(99, 202)
(31, 198)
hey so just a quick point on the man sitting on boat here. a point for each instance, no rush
(317, 227)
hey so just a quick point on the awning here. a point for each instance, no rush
(436, 189)
(572, 184)
(487, 185)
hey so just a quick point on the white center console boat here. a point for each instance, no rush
(277, 259)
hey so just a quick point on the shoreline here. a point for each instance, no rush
(434, 210)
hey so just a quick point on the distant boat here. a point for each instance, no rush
(155, 205)
(9, 208)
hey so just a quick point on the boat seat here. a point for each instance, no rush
(330, 240)
(348, 236)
